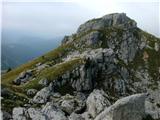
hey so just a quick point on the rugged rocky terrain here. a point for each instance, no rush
(108, 70)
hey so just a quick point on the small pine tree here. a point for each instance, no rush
(9, 69)
(43, 57)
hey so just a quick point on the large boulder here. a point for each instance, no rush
(53, 112)
(42, 96)
(152, 110)
(69, 104)
(96, 102)
(75, 116)
(128, 108)
(152, 105)
(35, 114)
(19, 113)
(23, 77)
(48, 112)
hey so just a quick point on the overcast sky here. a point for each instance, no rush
(50, 18)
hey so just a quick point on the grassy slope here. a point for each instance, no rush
(18, 93)
(50, 56)
(53, 72)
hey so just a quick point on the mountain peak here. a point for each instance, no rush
(111, 20)
(93, 31)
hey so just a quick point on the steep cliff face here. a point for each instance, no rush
(123, 58)
(109, 53)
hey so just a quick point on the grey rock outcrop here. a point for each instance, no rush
(67, 39)
(19, 114)
(152, 104)
(53, 112)
(115, 19)
(91, 38)
(35, 114)
(128, 47)
(23, 77)
(43, 82)
(85, 77)
(70, 104)
(90, 32)
(42, 96)
(128, 108)
(31, 92)
(49, 112)
(86, 80)
(75, 116)
(96, 102)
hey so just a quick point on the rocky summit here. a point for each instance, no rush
(108, 70)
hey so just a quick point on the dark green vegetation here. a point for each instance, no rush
(12, 99)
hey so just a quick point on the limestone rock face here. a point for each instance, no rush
(86, 79)
(35, 114)
(119, 20)
(108, 21)
(128, 47)
(42, 96)
(96, 102)
(128, 108)
(75, 116)
(49, 112)
(70, 104)
(19, 113)
(53, 113)
(152, 104)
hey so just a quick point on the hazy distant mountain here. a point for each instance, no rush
(19, 48)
